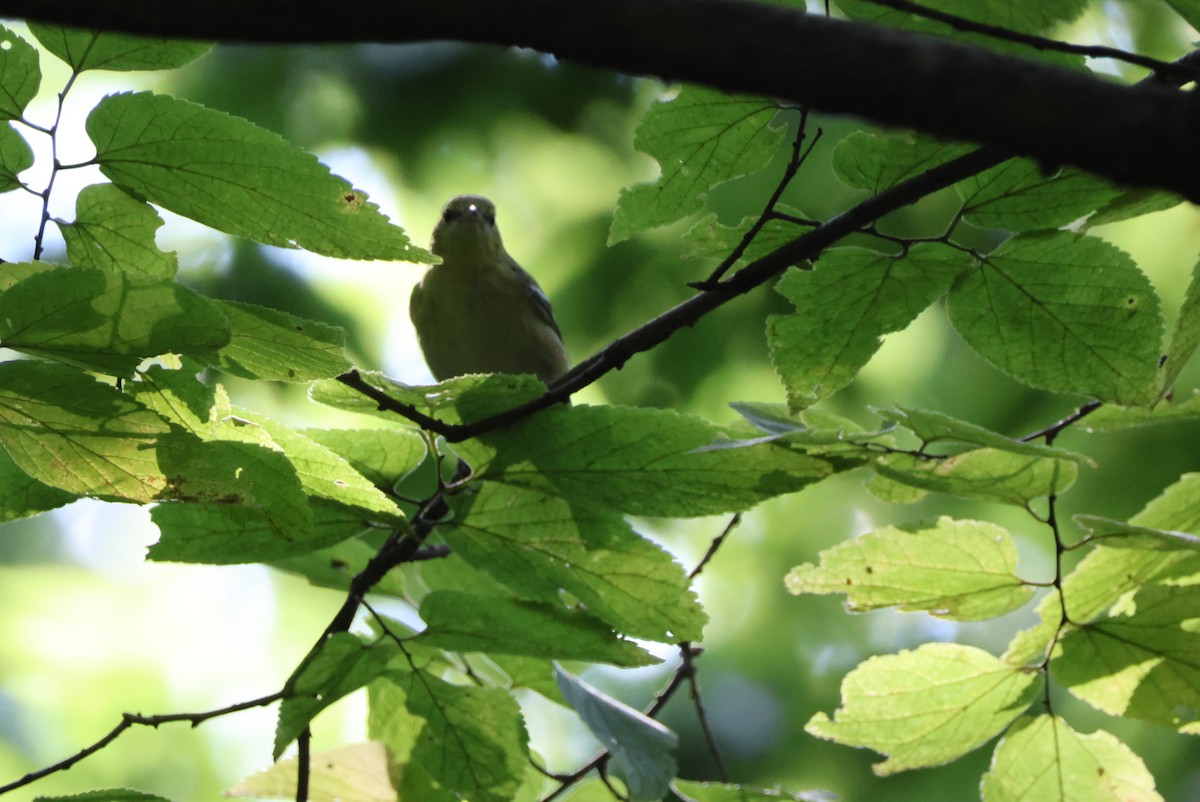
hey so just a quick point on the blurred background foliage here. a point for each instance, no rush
(89, 630)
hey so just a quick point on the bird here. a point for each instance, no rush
(478, 311)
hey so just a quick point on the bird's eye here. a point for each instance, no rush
(450, 215)
(490, 217)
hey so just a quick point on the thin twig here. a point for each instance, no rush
(129, 720)
(716, 544)
(1162, 69)
(303, 756)
(689, 654)
(1053, 430)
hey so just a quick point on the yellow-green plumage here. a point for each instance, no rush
(478, 311)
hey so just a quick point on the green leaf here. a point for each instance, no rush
(101, 50)
(228, 534)
(984, 473)
(875, 162)
(340, 665)
(1042, 758)
(115, 231)
(710, 239)
(1018, 196)
(69, 431)
(337, 565)
(1141, 661)
(108, 795)
(960, 570)
(1186, 335)
(844, 306)
(938, 427)
(354, 773)
(15, 157)
(643, 750)
(537, 544)
(238, 178)
(1118, 534)
(1134, 202)
(21, 495)
(639, 461)
(1112, 418)
(104, 321)
(466, 622)
(928, 706)
(1188, 9)
(700, 138)
(275, 346)
(474, 742)
(690, 791)
(384, 456)
(458, 400)
(1065, 313)
(20, 75)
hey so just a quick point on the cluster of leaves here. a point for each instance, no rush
(533, 558)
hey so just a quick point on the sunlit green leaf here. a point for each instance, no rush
(1118, 534)
(538, 544)
(643, 750)
(1188, 9)
(115, 231)
(458, 400)
(103, 321)
(700, 138)
(709, 239)
(385, 456)
(104, 50)
(690, 791)
(640, 461)
(844, 306)
(1042, 758)
(275, 346)
(961, 570)
(15, 157)
(1186, 335)
(20, 75)
(935, 427)
(927, 706)
(465, 622)
(1136, 202)
(1141, 661)
(108, 795)
(238, 178)
(342, 664)
(984, 473)
(1065, 313)
(1113, 418)
(21, 495)
(69, 431)
(356, 773)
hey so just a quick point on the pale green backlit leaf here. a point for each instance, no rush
(275, 346)
(69, 431)
(1119, 534)
(458, 400)
(538, 544)
(1018, 196)
(1142, 660)
(640, 461)
(115, 231)
(1135, 202)
(15, 157)
(700, 138)
(709, 239)
(643, 750)
(108, 795)
(984, 473)
(21, 495)
(103, 50)
(238, 178)
(384, 456)
(1065, 313)
(960, 570)
(20, 75)
(340, 665)
(355, 773)
(935, 428)
(1186, 335)
(1188, 9)
(102, 320)
(844, 306)
(335, 566)
(474, 742)
(875, 162)
(690, 791)
(927, 706)
(1042, 758)
(466, 622)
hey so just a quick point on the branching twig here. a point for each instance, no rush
(1164, 69)
(1053, 430)
(130, 720)
(688, 655)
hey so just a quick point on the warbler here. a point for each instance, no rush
(478, 311)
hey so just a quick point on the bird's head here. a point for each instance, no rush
(467, 231)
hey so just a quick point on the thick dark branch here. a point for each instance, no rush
(1144, 136)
